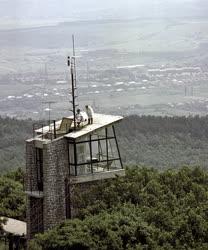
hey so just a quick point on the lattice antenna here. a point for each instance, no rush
(46, 73)
(71, 62)
(49, 112)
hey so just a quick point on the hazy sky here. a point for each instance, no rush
(36, 9)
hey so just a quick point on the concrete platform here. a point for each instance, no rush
(35, 194)
(97, 176)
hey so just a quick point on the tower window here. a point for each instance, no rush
(95, 152)
(39, 164)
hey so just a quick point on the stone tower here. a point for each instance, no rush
(59, 158)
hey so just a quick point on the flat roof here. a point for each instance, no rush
(99, 121)
(15, 227)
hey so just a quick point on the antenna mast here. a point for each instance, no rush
(71, 62)
(75, 73)
(49, 113)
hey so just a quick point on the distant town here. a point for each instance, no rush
(162, 89)
(146, 67)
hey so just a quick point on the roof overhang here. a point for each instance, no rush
(100, 121)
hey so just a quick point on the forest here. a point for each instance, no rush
(164, 142)
(12, 196)
(13, 132)
(162, 206)
(147, 209)
(159, 142)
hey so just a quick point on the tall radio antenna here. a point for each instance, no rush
(71, 62)
(49, 112)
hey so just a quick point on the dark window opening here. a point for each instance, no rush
(67, 199)
(36, 215)
(39, 164)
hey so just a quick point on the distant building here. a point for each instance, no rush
(59, 158)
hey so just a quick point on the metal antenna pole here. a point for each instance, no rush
(73, 96)
(73, 45)
(74, 56)
(88, 84)
(72, 64)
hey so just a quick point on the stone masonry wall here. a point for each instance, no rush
(30, 180)
(31, 169)
(55, 171)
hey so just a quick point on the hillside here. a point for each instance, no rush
(160, 142)
(12, 148)
(164, 142)
(147, 209)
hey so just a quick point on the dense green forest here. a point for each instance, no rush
(13, 132)
(164, 142)
(159, 142)
(12, 196)
(12, 199)
(147, 209)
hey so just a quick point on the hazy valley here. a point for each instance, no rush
(139, 66)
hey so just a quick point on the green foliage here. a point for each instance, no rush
(164, 142)
(160, 142)
(116, 230)
(16, 175)
(146, 209)
(13, 132)
(12, 197)
(2, 222)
